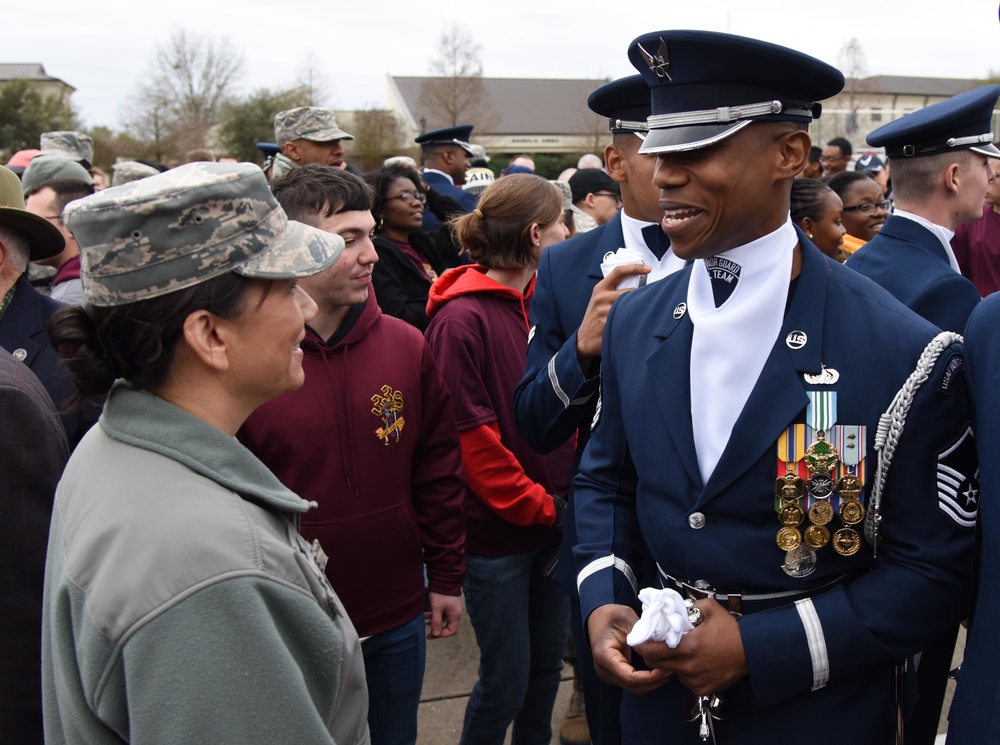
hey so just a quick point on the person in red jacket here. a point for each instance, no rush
(514, 503)
(371, 437)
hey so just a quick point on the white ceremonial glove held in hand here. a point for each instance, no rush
(624, 256)
(664, 618)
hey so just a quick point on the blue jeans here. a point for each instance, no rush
(520, 618)
(394, 668)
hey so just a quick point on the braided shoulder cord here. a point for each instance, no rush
(890, 427)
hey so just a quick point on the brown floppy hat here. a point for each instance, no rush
(44, 238)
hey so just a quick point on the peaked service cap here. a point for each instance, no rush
(706, 86)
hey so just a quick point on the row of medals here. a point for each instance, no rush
(800, 558)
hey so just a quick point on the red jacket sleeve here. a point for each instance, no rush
(495, 475)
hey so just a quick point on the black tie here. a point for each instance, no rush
(656, 239)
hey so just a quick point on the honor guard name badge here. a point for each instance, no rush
(388, 405)
(725, 276)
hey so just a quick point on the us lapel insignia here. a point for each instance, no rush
(388, 405)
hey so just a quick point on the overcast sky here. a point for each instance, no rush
(102, 47)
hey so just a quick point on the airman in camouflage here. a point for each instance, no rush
(177, 229)
(307, 134)
(128, 171)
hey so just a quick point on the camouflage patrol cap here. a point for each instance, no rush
(308, 123)
(45, 166)
(75, 145)
(177, 229)
(130, 170)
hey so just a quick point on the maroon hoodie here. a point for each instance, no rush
(479, 334)
(371, 438)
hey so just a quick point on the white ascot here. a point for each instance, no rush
(664, 618)
(731, 343)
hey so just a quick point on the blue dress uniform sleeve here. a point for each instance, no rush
(914, 590)
(610, 548)
(550, 401)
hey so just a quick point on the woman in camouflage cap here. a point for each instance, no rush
(181, 604)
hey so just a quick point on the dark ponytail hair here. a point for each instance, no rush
(136, 341)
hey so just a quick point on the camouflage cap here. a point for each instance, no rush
(308, 123)
(128, 171)
(177, 229)
(75, 145)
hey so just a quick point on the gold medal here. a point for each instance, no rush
(799, 562)
(789, 539)
(821, 457)
(816, 536)
(820, 513)
(850, 486)
(789, 486)
(846, 541)
(852, 512)
(791, 515)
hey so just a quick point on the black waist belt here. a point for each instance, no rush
(701, 589)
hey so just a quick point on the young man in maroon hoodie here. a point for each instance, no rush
(371, 438)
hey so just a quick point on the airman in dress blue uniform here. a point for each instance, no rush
(446, 157)
(941, 167)
(974, 718)
(557, 397)
(737, 439)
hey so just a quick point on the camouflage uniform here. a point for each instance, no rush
(68, 144)
(180, 228)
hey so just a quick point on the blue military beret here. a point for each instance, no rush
(459, 135)
(706, 86)
(962, 122)
(625, 102)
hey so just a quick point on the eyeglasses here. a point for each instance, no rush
(866, 208)
(616, 197)
(409, 197)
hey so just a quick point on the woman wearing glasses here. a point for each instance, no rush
(409, 260)
(865, 207)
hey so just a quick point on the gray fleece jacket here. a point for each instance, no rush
(181, 604)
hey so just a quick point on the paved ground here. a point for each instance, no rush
(451, 673)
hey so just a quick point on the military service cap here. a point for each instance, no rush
(177, 229)
(459, 135)
(706, 86)
(962, 122)
(625, 102)
(308, 123)
(48, 166)
(130, 170)
(44, 238)
(69, 144)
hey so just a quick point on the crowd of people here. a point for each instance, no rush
(266, 431)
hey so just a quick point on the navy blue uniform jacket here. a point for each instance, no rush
(555, 400)
(975, 713)
(909, 261)
(23, 326)
(831, 653)
(442, 185)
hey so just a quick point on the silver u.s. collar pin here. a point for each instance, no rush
(796, 340)
(827, 376)
(680, 310)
